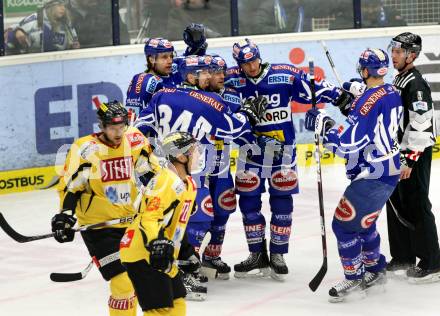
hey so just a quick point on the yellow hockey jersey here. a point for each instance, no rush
(103, 175)
(167, 203)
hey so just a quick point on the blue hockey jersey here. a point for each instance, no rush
(203, 114)
(142, 87)
(280, 83)
(368, 137)
(232, 98)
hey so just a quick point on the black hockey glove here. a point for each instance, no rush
(62, 226)
(194, 37)
(254, 109)
(161, 253)
(343, 102)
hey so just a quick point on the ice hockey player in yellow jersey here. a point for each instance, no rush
(151, 244)
(98, 185)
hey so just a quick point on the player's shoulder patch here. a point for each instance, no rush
(236, 82)
(343, 127)
(86, 147)
(231, 98)
(178, 186)
(152, 84)
(135, 138)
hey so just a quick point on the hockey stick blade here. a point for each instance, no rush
(19, 237)
(70, 277)
(55, 180)
(316, 281)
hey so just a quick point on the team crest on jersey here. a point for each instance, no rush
(127, 239)
(246, 181)
(369, 219)
(345, 211)
(284, 180)
(227, 200)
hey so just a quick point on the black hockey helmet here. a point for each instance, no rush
(409, 41)
(113, 112)
(177, 143)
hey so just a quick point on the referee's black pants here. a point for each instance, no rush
(411, 201)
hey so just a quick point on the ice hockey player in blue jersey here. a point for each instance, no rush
(159, 54)
(279, 84)
(221, 184)
(203, 114)
(368, 141)
(217, 83)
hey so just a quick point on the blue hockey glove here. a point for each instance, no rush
(318, 121)
(62, 226)
(194, 37)
(356, 86)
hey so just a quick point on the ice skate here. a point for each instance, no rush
(219, 265)
(398, 268)
(255, 266)
(417, 275)
(195, 291)
(278, 267)
(375, 281)
(346, 288)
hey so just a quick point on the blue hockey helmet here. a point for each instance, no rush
(194, 64)
(218, 63)
(154, 46)
(375, 60)
(245, 53)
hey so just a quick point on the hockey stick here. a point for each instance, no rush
(55, 180)
(69, 277)
(403, 221)
(76, 276)
(22, 239)
(316, 281)
(332, 64)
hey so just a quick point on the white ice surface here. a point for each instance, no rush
(25, 288)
